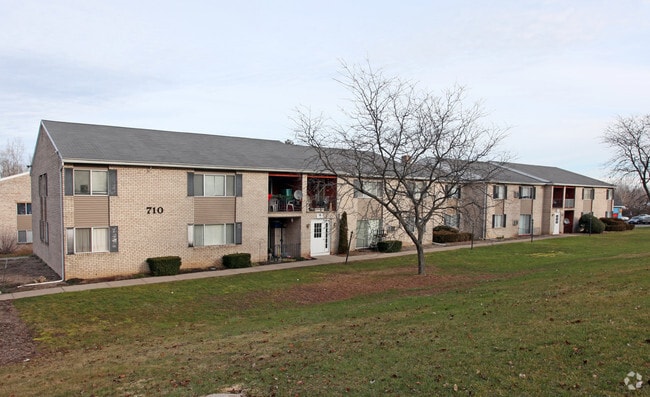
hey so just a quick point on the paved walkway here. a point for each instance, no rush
(321, 260)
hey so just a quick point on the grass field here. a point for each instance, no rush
(567, 316)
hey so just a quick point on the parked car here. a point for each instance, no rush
(639, 219)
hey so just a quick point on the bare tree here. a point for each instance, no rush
(420, 148)
(632, 197)
(629, 139)
(12, 158)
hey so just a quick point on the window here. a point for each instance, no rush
(43, 226)
(588, 193)
(213, 185)
(498, 221)
(25, 237)
(220, 234)
(499, 192)
(371, 187)
(452, 191)
(610, 194)
(367, 233)
(526, 192)
(418, 189)
(93, 239)
(88, 182)
(219, 185)
(452, 220)
(24, 208)
(525, 224)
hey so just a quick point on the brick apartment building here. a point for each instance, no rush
(16, 208)
(107, 198)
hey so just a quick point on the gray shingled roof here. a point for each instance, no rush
(119, 145)
(99, 144)
(553, 175)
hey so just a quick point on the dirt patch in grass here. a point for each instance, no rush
(16, 342)
(349, 285)
(15, 272)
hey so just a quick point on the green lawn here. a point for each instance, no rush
(566, 316)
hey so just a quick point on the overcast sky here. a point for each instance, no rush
(555, 72)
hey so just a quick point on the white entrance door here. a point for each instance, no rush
(320, 237)
(556, 223)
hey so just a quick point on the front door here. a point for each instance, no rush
(556, 223)
(320, 237)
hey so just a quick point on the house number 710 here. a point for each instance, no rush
(155, 210)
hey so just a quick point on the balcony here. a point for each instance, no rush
(321, 193)
(284, 193)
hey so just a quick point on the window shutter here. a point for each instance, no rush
(495, 191)
(504, 220)
(113, 239)
(458, 191)
(494, 217)
(112, 182)
(533, 195)
(357, 186)
(238, 233)
(238, 185)
(505, 192)
(190, 184)
(198, 185)
(68, 181)
(520, 191)
(69, 234)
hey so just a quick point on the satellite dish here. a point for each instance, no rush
(297, 195)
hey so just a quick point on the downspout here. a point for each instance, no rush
(484, 213)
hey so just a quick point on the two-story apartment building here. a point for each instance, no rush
(107, 198)
(16, 208)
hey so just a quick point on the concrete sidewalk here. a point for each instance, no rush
(318, 261)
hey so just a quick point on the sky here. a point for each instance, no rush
(554, 73)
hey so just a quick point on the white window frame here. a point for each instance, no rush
(27, 207)
(588, 193)
(500, 192)
(451, 220)
(610, 194)
(29, 237)
(524, 224)
(527, 192)
(373, 187)
(367, 230)
(94, 232)
(499, 221)
(93, 188)
(226, 187)
(226, 231)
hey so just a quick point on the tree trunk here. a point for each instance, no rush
(420, 249)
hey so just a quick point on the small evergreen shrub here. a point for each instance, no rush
(590, 224)
(389, 246)
(615, 225)
(164, 265)
(236, 261)
(445, 228)
(454, 236)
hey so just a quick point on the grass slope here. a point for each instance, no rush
(556, 317)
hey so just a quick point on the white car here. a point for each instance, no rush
(639, 219)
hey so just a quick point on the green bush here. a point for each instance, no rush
(590, 224)
(389, 246)
(443, 237)
(164, 265)
(445, 228)
(615, 225)
(237, 261)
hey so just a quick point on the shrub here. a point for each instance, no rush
(389, 246)
(164, 265)
(615, 225)
(445, 228)
(237, 261)
(443, 237)
(8, 241)
(590, 224)
(343, 234)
